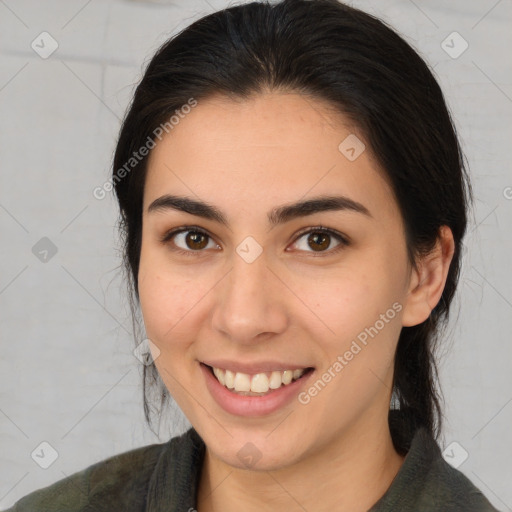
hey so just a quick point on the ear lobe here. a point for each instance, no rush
(428, 280)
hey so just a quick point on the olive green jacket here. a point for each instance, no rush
(165, 477)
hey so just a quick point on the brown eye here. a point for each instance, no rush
(192, 241)
(196, 240)
(320, 240)
(189, 241)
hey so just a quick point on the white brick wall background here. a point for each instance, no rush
(67, 373)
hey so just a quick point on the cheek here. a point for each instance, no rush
(170, 318)
(365, 315)
(352, 298)
(166, 301)
(168, 297)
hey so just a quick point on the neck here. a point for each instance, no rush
(350, 473)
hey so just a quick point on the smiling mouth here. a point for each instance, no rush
(259, 384)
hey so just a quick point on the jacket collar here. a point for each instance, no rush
(175, 480)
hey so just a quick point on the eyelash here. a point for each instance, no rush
(344, 242)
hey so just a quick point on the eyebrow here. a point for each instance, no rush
(276, 216)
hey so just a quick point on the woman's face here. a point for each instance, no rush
(262, 290)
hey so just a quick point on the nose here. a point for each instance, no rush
(250, 302)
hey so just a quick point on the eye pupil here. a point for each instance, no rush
(194, 237)
(323, 237)
(197, 240)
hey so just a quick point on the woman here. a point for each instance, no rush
(293, 201)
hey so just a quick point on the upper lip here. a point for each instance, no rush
(254, 367)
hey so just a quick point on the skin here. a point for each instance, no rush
(296, 302)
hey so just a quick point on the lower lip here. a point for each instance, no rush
(252, 405)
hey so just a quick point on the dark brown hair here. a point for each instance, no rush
(366, 71)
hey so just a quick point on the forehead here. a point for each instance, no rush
(271, 118)
(271, 148)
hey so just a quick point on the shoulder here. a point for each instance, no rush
(447, 486)
(118, 483)
(427, 483)
(452, 490)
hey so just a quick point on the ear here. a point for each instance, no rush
(428, 279)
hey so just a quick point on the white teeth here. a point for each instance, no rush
(297, 374)
(220, 376)
(287, 376)
(275, 380)
(229, 378)
(242, 382)
(258, 383)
